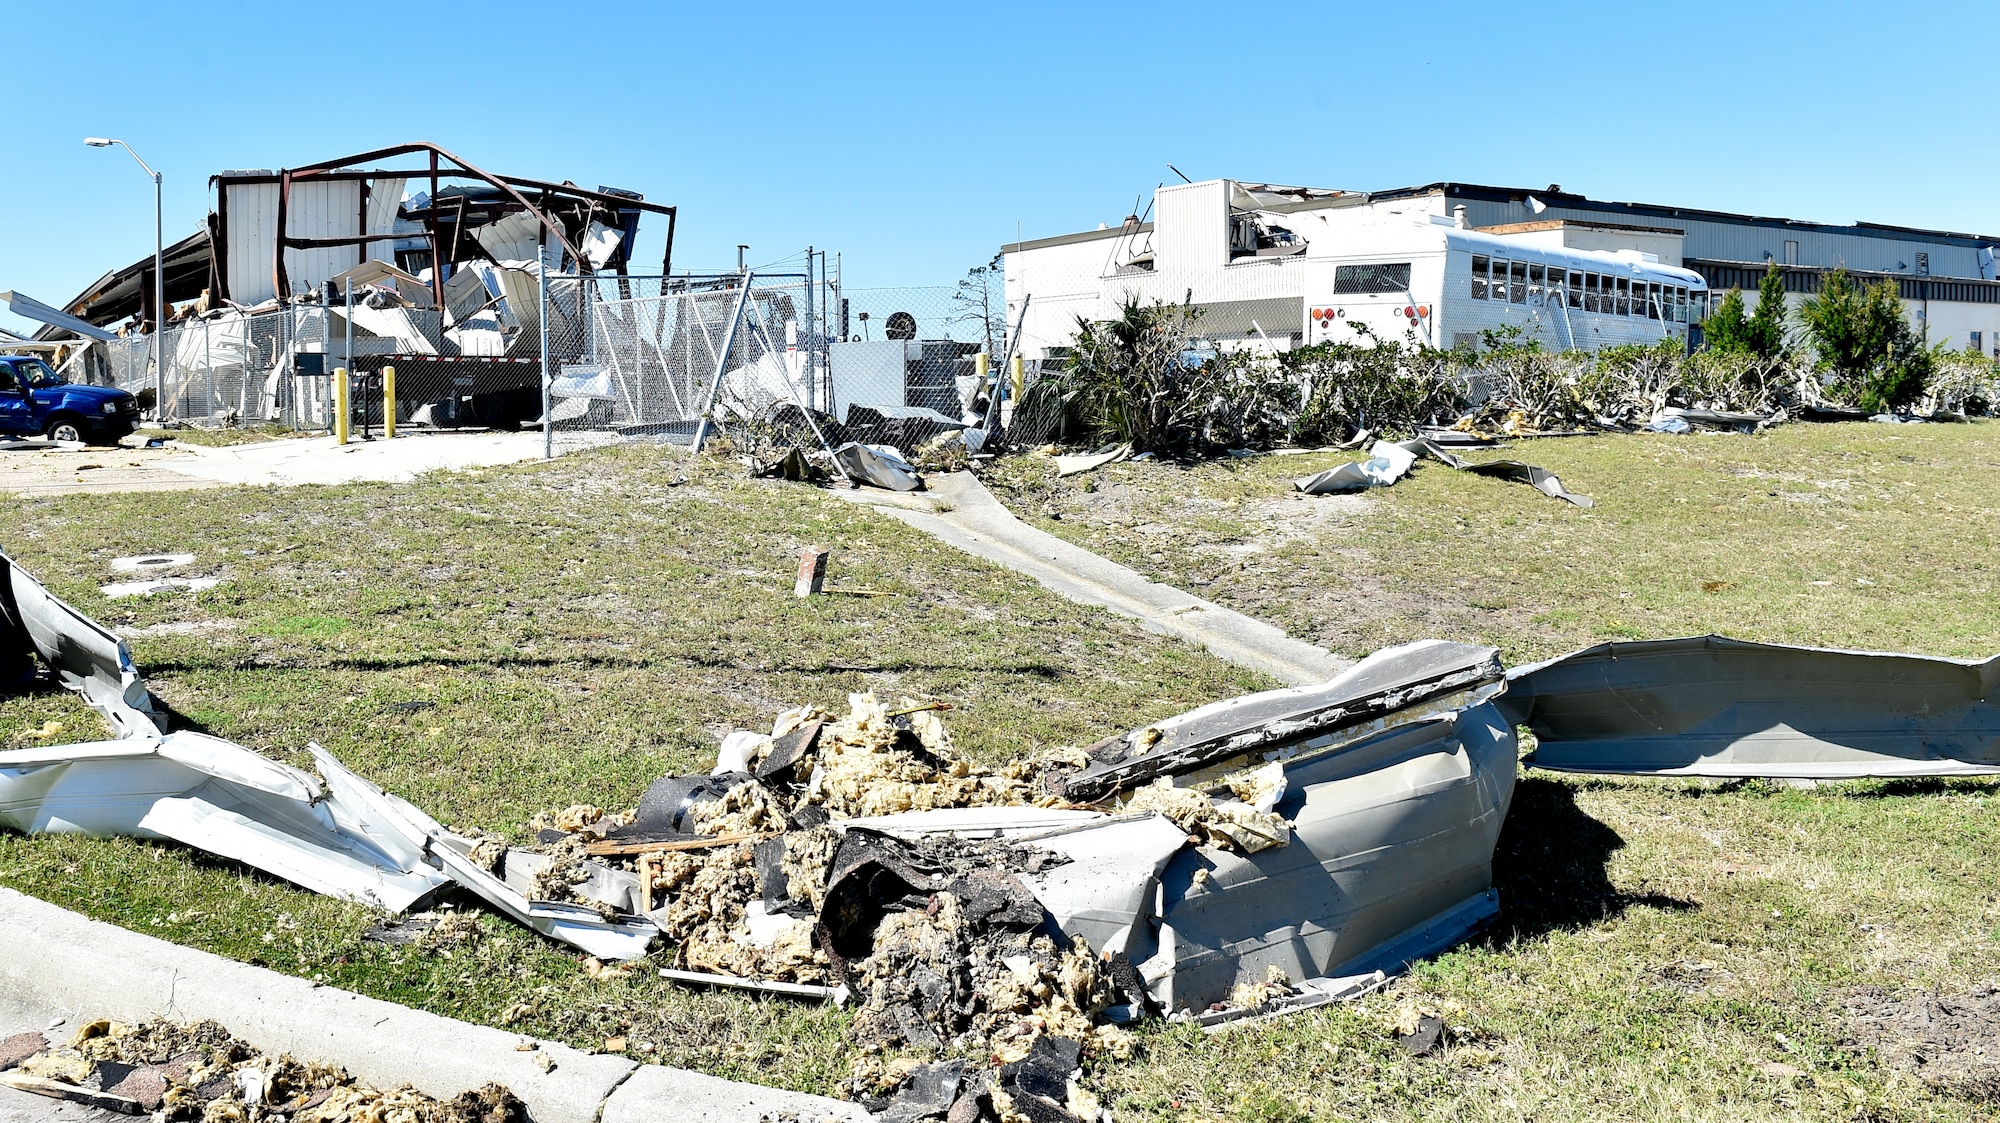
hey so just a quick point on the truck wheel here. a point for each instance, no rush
(63, 427)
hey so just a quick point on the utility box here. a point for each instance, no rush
(874, 373)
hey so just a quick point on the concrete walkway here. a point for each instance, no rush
(56, 963)
(957, 509)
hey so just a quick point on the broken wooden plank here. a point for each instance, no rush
(56, 1089)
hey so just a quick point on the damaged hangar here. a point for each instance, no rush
(407, 254)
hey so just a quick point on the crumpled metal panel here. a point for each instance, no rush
(1397, 685)
(207, 793)
(1391, 859)
(580, 925)
(1712, 706)
(85, 657)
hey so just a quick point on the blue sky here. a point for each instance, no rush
(915, 139)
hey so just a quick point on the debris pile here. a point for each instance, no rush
(197, 1071)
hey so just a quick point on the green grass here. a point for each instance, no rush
(1858, 535)
(1665, 951)
(495, 643)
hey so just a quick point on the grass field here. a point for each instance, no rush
(492, 644)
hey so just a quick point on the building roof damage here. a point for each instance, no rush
(426, 219)
(1251, 856)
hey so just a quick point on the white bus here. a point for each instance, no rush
(1443, 286)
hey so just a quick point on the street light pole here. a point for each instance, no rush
(159, 280)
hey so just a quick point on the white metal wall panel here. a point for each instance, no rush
(322, 209)
(252, 210)
(385, 199)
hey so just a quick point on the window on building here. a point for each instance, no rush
(1978, 344)
(1517, 290)
(1372, 278)
(1479, 276)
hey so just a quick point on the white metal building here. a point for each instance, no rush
(1277, 267)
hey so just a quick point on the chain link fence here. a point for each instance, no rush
(626, 356)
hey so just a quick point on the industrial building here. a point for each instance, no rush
(1275, 267)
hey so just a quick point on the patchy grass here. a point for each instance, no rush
(492, 644)
(1857, 535)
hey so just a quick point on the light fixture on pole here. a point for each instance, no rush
(159, 282)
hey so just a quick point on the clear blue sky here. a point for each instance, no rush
(916, 139)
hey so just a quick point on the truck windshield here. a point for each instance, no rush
(36, 374)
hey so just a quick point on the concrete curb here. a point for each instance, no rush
(55, 958)
(958, 510)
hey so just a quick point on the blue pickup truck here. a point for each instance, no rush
(35, 401)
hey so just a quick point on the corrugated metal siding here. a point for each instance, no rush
(327, 209)
(253, 215)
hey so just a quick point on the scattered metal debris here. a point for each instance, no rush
(87, 658)
(877, 465)
(1088, 462)
(1711, 706)
(1390, 461)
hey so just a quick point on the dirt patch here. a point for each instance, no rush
(31, 473)
(1951, 1041)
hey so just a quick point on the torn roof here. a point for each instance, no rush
(338, 214)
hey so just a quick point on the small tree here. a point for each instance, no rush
(1866, 344)
(1726, 329)
(1764, 331)
(981, 300)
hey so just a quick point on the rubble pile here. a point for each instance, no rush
(783, 866)
(197, 1071)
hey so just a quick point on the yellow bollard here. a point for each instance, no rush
(1019, 374)
(388, 403)
(341, 411)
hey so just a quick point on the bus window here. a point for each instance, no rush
(1575, 287)
(1622, 303)
(1535, 280)
(1653, 301)
(1557, 282)
(1590, 292)
(1517, 290)
(1478, 276)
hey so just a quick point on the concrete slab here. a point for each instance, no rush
(32, 473)
(320, 460)
(68, 964)
(957, 509)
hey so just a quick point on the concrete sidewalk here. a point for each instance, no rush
(957, 509)
(59, 964)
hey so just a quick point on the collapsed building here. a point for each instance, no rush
(433, 266)
(1250, 857)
